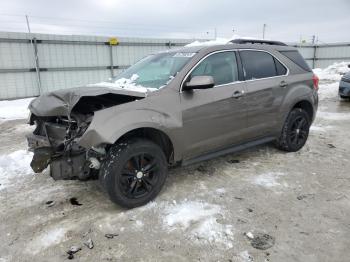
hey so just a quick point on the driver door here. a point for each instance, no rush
(214, 118)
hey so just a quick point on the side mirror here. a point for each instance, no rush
(199, 82)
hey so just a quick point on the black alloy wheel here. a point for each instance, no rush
(295, 131)
(139, 175)
(134, 172)
(299, 131)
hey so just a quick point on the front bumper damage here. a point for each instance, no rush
(61, 118)
(53, 147)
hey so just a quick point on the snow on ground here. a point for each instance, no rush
(268, 180)
(333, 116)
(333, 72)
(328, 90)
(199, 221)
(245, 256)
(14, 109)
(329, 79)
(49, 237)
(14, 165)
(320, 128)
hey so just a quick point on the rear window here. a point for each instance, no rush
(257, 64)
(296, 57)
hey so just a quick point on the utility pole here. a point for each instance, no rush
(264, 29)
(313, 39)
(36, 58)
(215, 33)
(28, 26)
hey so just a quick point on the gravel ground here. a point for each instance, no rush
(257, 205)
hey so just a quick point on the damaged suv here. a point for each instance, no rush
(174, 108)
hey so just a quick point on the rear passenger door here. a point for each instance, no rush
(266, 87)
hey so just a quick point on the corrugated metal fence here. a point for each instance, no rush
(31, 64)
(323, 55)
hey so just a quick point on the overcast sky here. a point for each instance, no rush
(286, 20)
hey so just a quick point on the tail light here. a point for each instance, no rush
(315, 80)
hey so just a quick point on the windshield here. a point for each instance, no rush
(154, 71)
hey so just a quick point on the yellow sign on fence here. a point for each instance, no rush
(113, 41)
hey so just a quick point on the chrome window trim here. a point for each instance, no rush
(235, 82)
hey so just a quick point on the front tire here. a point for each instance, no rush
(134, 172)
(295, 131)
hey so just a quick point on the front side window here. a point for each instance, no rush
(257, 64)
(221, 66)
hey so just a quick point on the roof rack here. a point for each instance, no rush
(256, 41)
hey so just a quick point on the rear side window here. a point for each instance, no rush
(296, 57)
(281, 70)
(257, 64)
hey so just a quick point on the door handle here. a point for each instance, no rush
(283, 84)
(237, 94)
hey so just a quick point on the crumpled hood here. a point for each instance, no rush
(61, 102)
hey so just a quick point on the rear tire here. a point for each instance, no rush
(295, 131)
(134, 172)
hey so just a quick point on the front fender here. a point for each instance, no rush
(108, 126)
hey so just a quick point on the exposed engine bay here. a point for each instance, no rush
(55, 138)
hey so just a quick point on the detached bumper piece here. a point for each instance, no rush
(70, 164)
(41, 158)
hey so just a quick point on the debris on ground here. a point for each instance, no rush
(260, 241)
(250, 210)
(301, 197)
(242, 221)
(249, 235)
(206, 169)
(110, 236)
(238, 198)
(72, 251)
(74, 201)
(331, 145)
(89, 243)
(50, 203)
(233, 161)
(202, 169)
(87, 232)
